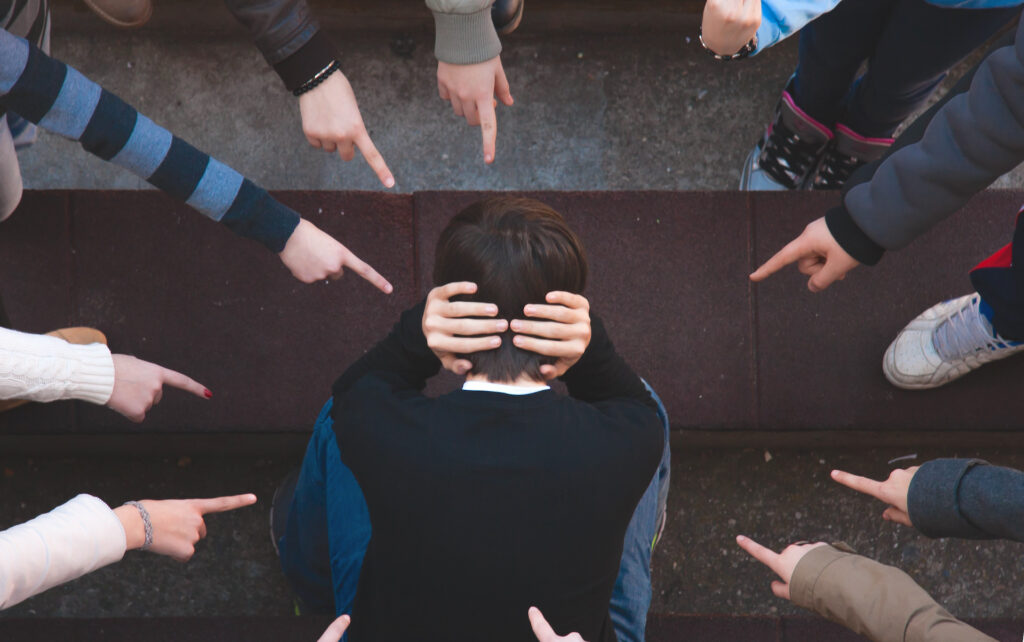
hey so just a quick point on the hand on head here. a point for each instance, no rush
(471, 89)
(543, 630)
(331, 122)
(728, 25)
(560, 328)
(313, 255)
(139, 385)
(816, 253)
(892, 491)
(177, 523)
(782, 563)
(451, 329)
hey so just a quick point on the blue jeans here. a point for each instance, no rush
(329, 529)
(909, 45)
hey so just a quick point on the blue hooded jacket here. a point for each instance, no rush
(782, 18)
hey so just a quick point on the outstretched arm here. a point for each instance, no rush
(84, 535)
(290, 38)
(878, 601)
(966, 498)
(60, 99)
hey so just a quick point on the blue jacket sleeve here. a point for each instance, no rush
(780, 19)
(967, 498)
(60, 99)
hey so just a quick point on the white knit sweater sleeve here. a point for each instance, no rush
(42, 368)
(71, 540)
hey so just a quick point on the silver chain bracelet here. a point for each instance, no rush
(145, 522)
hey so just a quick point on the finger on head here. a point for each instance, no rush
(547, 347)
(464, 345)
(568, 299)
(781, 259)
(337, 628)
(559, 313)
(449, 290)
(780, 589)
(223, 504)
(545, 329)
(488, 128)
(548, 371)
(541, 628)
(178, 380)
(858, 483)
(461, 366)
(364, 270)
(456, 309)
(459, 327)
(374, 159)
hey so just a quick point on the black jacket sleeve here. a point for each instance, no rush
(288, 35)
(967, 498)
(402, 356)
(601, 373)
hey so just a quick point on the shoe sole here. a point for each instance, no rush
(106, 17)
(512, 26)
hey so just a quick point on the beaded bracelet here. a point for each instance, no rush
(747, 49)
(315, 81)
(148, 525)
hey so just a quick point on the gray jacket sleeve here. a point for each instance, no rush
(288, 35)
(972, 141)
(967, 498)
(465, 33)
(878, 601)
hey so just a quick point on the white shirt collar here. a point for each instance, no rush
(488, 386)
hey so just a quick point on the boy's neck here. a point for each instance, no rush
(522, 382)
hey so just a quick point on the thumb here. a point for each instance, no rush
(826, 276)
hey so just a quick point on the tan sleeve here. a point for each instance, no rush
(464, 32)
(878, 601)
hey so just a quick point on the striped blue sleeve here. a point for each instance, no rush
(60, 99)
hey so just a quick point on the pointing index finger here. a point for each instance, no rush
(364, 270)
(781, 259)
(764, 555)
(540, 626)
(488, 127)
(178, 380)
(223, 504)
(374, 159)
(858, 483)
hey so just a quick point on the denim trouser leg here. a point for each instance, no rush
(328, 527)
(909, 45)
(10, 172)
(631, 598)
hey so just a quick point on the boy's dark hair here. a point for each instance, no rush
(516, 250)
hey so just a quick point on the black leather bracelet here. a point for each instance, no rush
(747, 49)
(315, 81)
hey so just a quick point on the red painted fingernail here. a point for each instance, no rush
(207, 393)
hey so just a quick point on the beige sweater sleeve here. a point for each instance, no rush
(878, 601)
(464, 32)
(41, 368)
(73, 539)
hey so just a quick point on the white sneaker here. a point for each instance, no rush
(943, 343)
